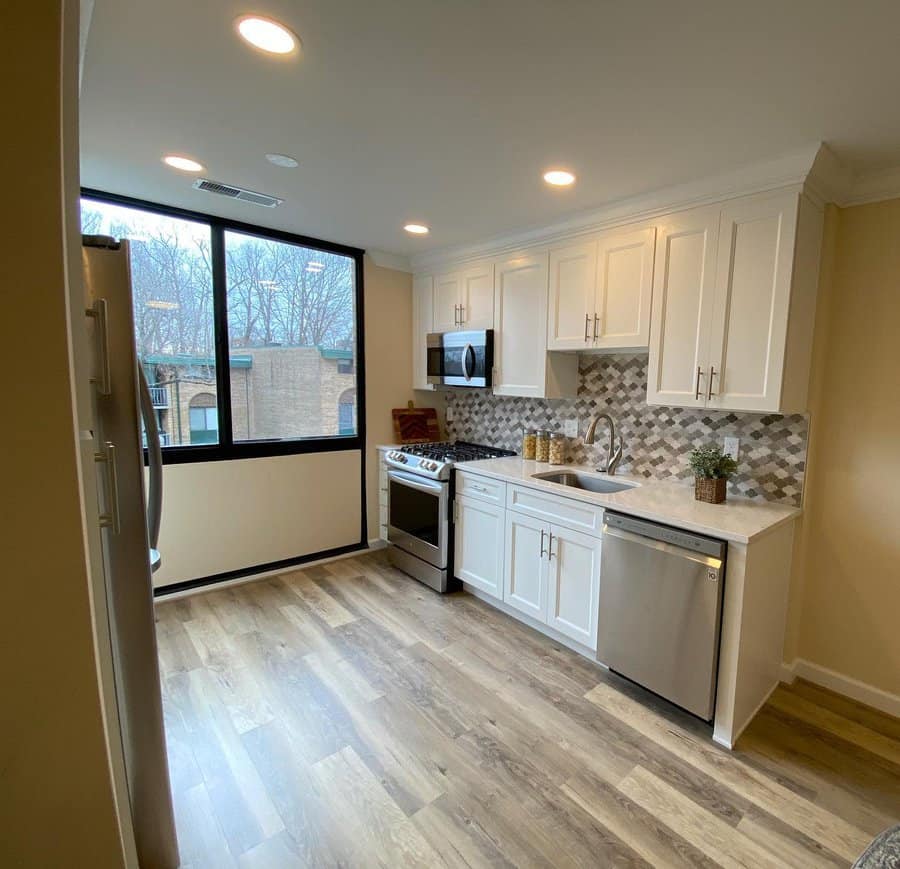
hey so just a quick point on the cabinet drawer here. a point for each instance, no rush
(482, 488)
(566, 511)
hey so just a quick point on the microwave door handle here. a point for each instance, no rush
(465, 362)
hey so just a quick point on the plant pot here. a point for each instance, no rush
(710, 489)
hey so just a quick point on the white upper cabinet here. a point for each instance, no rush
(573, 283)
(476, 301)
(522, 365)
(752, 301)
(447, 293)
(422, 324)
(733, 305)
(600, 292)
(624, 289)
(464, 299)
(683, 288)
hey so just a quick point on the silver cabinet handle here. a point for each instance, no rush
(550, 552)
(478, 488)
(697, 390)
(712, 374)
(587, 328)
(110, 519)
(543, 551)
(456, 315)
(596, 326)
(462, 314)
(98, 313)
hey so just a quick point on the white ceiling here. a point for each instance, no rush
(447, 111)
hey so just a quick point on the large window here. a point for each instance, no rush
(223, 310)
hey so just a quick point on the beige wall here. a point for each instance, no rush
(222, 516)
(388, 367)
(846, 595)
(56, 798)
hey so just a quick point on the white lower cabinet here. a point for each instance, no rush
(552, 574)
(525, 568)
(573, 587)
(479, 544)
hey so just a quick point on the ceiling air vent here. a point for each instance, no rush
(237, 193)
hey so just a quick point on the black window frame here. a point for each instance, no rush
(227, 449)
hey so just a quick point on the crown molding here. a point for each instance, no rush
(386, 260)
(874, 187)
(833, 181)
(785, 171)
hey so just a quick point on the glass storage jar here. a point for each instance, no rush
(557, 448)
(542, 446)
(529, 439)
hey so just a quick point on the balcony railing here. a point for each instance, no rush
(160, 397)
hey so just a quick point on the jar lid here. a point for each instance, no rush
(557, 436)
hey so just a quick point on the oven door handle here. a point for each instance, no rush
(414, 482)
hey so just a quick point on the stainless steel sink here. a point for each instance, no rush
(588, 482)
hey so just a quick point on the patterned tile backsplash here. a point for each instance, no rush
(657, 440)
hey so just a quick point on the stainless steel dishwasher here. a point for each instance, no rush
(660, 609)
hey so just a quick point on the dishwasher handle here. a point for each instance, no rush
(699, 544)
(668, 548)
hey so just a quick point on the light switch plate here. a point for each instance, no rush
(732, 447)
(570, 428)
(448, 414)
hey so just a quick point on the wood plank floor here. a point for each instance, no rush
(344, 715)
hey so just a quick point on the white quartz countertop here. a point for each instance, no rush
(739, 520)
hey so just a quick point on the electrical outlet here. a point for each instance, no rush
(570, 428)
(448, 414)
(732, 447)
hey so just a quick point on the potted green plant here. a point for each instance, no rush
(711, 468)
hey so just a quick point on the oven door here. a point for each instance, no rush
(418, 516)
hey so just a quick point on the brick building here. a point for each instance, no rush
(276, 392)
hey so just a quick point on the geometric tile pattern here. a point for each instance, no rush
(657, 440)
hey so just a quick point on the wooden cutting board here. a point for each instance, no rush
(415, 425)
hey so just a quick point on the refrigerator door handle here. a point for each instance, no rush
(154, 456)
(99, 314)
(110, 519)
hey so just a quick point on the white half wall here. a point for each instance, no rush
(233, 515)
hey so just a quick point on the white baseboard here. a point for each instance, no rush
(862, 692)
(377, 543)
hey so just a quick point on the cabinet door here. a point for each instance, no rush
(624, 289)
(520, 317)
(683, 288)
(574, 585)
(423, 323)
(525, 565)
(447, 292)
(573, 276)
(753, 292)
(477, 297)
(479, 541)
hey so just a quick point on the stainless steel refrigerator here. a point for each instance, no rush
(123, 421)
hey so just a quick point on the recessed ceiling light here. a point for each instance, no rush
(416, 228)
(559, 177)
(282, 160)
(184, 164)
(267, 35)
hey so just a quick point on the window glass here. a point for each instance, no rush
(171, 276)
(292, 333)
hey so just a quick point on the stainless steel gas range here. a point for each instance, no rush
(420, 501)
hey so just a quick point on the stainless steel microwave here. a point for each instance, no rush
(461, 358)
